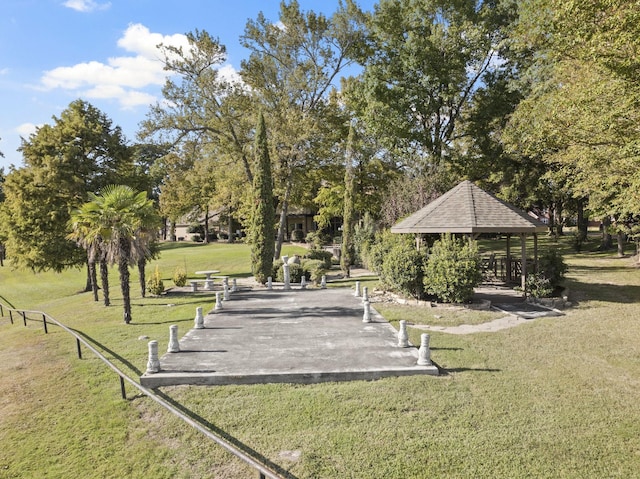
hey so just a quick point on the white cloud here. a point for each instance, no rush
(26, 129)
(128, 79)
(121, 78)
(86, 5)
(4, 71)
(230, 74)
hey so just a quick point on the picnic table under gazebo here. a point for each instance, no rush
(469, 210)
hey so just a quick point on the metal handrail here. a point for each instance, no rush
(263, 470)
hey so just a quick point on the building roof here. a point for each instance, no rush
(469, 209)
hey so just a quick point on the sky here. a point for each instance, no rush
(53, 52)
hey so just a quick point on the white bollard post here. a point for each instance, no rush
(303, 282)
(323, 282)
(269, 283)
(225, 281)
(287, 277)
(424, 354)
(357, 291)
(198, 321)
(226, 296)
(365, 293)
(366, 317)
(218, 305)
(153, 365)
(403, 337)
(174, 345)
(234, 285)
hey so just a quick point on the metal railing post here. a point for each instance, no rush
(11, 316)
(24, 317)
(44, 322)
(122, 389)
(79, 350)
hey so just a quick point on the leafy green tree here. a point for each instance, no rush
(123, 219)
(207, 121)
(424, 61)
(581, 112)
(263, 214)
(79, 153)
(291, 69)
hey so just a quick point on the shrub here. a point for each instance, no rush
(295, 273)
(538, 286)
(402, 267)
(551, 265)
(277, 266)
(179, 276)
(314, 269)
(453, 270)
(297, 235)
(322, 255)
(374, 256)
(155, 285)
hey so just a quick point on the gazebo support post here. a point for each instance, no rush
(509, 266)
(535, 252)
(523, 268)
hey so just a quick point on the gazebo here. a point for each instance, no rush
(469, 210)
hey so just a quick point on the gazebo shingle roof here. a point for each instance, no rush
(469, 209)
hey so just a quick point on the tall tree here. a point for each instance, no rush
(79, 153)
(292, 67)
(263, 213)
(424, 62)
(584, 103)
(202, 113)
(86, 230)
(348, 216)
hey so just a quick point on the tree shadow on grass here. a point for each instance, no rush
(109, 351)
(606, 292)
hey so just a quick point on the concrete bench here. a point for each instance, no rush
(206, 283)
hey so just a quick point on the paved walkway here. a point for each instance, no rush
(297, 336)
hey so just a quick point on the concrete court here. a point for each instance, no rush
(295, 336)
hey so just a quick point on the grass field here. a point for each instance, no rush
(555, 397)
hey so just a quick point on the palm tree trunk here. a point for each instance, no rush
(123, 267)
(142, 262)
(87, 286)
(104, 279)
(94, 280)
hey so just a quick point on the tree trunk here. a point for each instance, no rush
(123, 266)
(94, 280)
(143, 280)
(230, 226)
(282, 226)
(552, 219)
(621, 239)
(206, 225)
(87, 286)
(583, 224)
(104, 278)
(606, 242)
(559, 225)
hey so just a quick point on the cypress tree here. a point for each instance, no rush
(348, 215)
(263, 212)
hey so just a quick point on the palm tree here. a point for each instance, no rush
(124, 220)
(85, 231)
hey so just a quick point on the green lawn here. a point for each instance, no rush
(555, 397)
